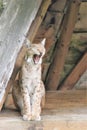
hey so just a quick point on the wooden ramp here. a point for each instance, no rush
(63, 111)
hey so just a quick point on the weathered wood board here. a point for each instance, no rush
(15, 21)
(57, 99)
(12, 121)
(63, 111)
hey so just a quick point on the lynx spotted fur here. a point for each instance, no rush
(29, 90)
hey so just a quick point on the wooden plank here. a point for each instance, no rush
(14, 24)
(61, 50)
(75, 74)
(38, 20)
(64, 110)
(50, 122)
(31, 34)
(57, 100)
(66, 99)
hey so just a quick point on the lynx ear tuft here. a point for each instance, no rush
(43, 41)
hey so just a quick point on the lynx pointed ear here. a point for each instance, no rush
(43, 41)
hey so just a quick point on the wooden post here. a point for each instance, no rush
(75, 74)
(53, 78)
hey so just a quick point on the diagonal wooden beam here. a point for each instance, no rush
(12, 37)
(39, 18)
(40, 15)
(49, 29)
(51, 23)
(75, 74)
(54, 74)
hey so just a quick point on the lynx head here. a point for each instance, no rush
(35, 53)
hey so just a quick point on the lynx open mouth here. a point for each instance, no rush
(36, 58)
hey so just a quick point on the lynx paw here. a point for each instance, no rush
(26, 117)
(36, 118)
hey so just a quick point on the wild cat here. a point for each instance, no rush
(29, 90)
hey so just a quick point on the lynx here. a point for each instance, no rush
(29, 89)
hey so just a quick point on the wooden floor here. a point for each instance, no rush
(63, 111)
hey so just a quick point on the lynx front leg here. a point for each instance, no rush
(36, 103)
(36, 109)
(26, 110)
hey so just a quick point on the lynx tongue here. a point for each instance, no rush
(36, 58)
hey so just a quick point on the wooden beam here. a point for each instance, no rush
(31, 34)
(12, 37)
(51, 23)
(61, 50)
(64, 110)
(61, 108)
(49, 29)
(15, 71)
(38, 20)
(33, 28)
(68, 99)
(75, 75)
(51, 120)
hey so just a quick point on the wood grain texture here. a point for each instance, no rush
(63, 111)
(75, 75)
(57, 99)
(14, 24)
(30, 35)
(51, 23)
(38, 20)
(49, 29)
(61, 50)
